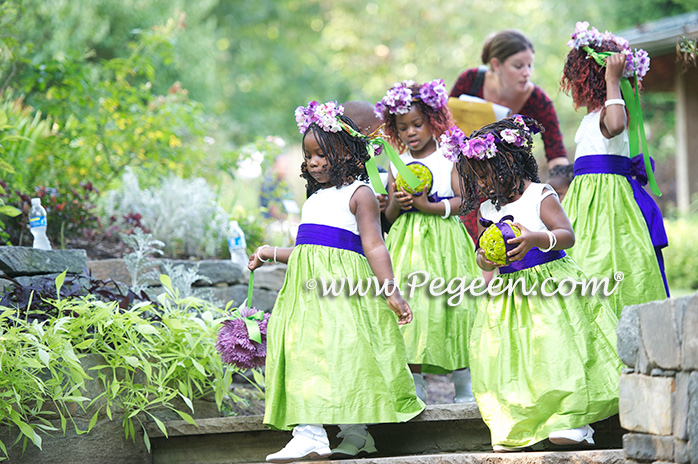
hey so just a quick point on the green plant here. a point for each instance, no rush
(151, 357)
(182, 213)
(140, 262)
(681, 256)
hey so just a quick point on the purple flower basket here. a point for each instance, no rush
(234, 343)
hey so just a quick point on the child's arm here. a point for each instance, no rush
(266, 253)
(422, 203)
(557, 222)
(484, 263)
(364, 206)
(397, 200)
(613, 117)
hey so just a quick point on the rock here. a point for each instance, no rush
(26, 261)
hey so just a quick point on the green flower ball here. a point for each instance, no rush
(423, 174)
(493, 244)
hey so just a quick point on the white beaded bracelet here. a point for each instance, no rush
(276, 248)
(268, 260)
(553, 241)
(447, 208)
(614, 101)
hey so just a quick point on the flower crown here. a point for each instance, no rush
(325, 115)
(454, 142)
(636, 63)
(399, 98)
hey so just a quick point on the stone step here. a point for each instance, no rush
(442, 428)
(611, 456)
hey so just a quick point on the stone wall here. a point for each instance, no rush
(658, 342)
(225, 280)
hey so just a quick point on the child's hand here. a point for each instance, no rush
(404, 199)
(382, 202)
(615, 65)
(421, 201)
(525, 242)
(484, 263)
(400, 307)
(255, 260)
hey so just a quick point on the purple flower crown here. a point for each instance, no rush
(636, 63)
(325, 115)
(455, 143)
(399, 98)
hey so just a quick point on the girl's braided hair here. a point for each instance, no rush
(436, 120)
(506, 170)
(347, 156)
(583, 79)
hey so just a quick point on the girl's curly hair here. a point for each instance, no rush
(505, 172)
(437, 120)
(583, 79)
(346, 155)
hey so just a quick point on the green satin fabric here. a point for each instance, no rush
(334, 360)
(543, 364)
(438, 335)
(611, 235)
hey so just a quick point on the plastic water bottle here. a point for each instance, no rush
(37, 225)
(237, 244)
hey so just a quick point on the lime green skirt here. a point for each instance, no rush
(430, 247)
(543, 364)
(334, 360)
(611, 237)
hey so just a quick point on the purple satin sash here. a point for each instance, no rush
(633, 170)
(318, 234)
(534, 257)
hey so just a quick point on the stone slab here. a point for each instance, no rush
(216, 270)
(629, 337)
(681, 406)
(644, 447)
(646, 403)
(577, 457)
(114, 269)
(689, 347)
(26, 261)
(659, 333)
(693, 418)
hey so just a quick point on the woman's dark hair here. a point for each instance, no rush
(507, 170)
(347, 156)
(583, 79)
(437, 120)
(503, 44)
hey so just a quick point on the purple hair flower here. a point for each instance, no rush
(453, 143)
(234, 344)
(480, 147)
(325, 115)
(434, 93)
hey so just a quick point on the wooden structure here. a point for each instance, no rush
(659, 39)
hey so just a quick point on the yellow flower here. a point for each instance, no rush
(175, 142)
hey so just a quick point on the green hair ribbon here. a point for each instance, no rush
(371, 166)
(636, 128)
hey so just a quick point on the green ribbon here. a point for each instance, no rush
(636, 128)
(372, 167)
(250, 321)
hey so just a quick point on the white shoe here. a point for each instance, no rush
(356, 441)
(507, 449)
(308, 442)
(579, 436)
(420, 386)
(463, 386)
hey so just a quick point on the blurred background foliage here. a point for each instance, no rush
(194, 89)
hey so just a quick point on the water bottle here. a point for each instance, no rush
(37, 225)
(237, 244)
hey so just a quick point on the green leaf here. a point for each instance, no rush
(93, 421)
(187, 401)
(146, 329)
(59, 283)
(146, 438)
(160, 425)
(8, 210)
(186, 417)
(132, 361)
(198, 366)
(44, 356)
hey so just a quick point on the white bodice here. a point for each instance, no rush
(526, 210)
(440, 168)
(590, 140)
(330, 207)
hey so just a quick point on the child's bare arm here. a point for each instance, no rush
(613, 117)
(266, 253)
(365, 207)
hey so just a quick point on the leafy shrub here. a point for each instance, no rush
(182, 213)
(681, 256)
(147, 364)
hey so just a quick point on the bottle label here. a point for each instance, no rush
(37, 221)
(236, 242)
